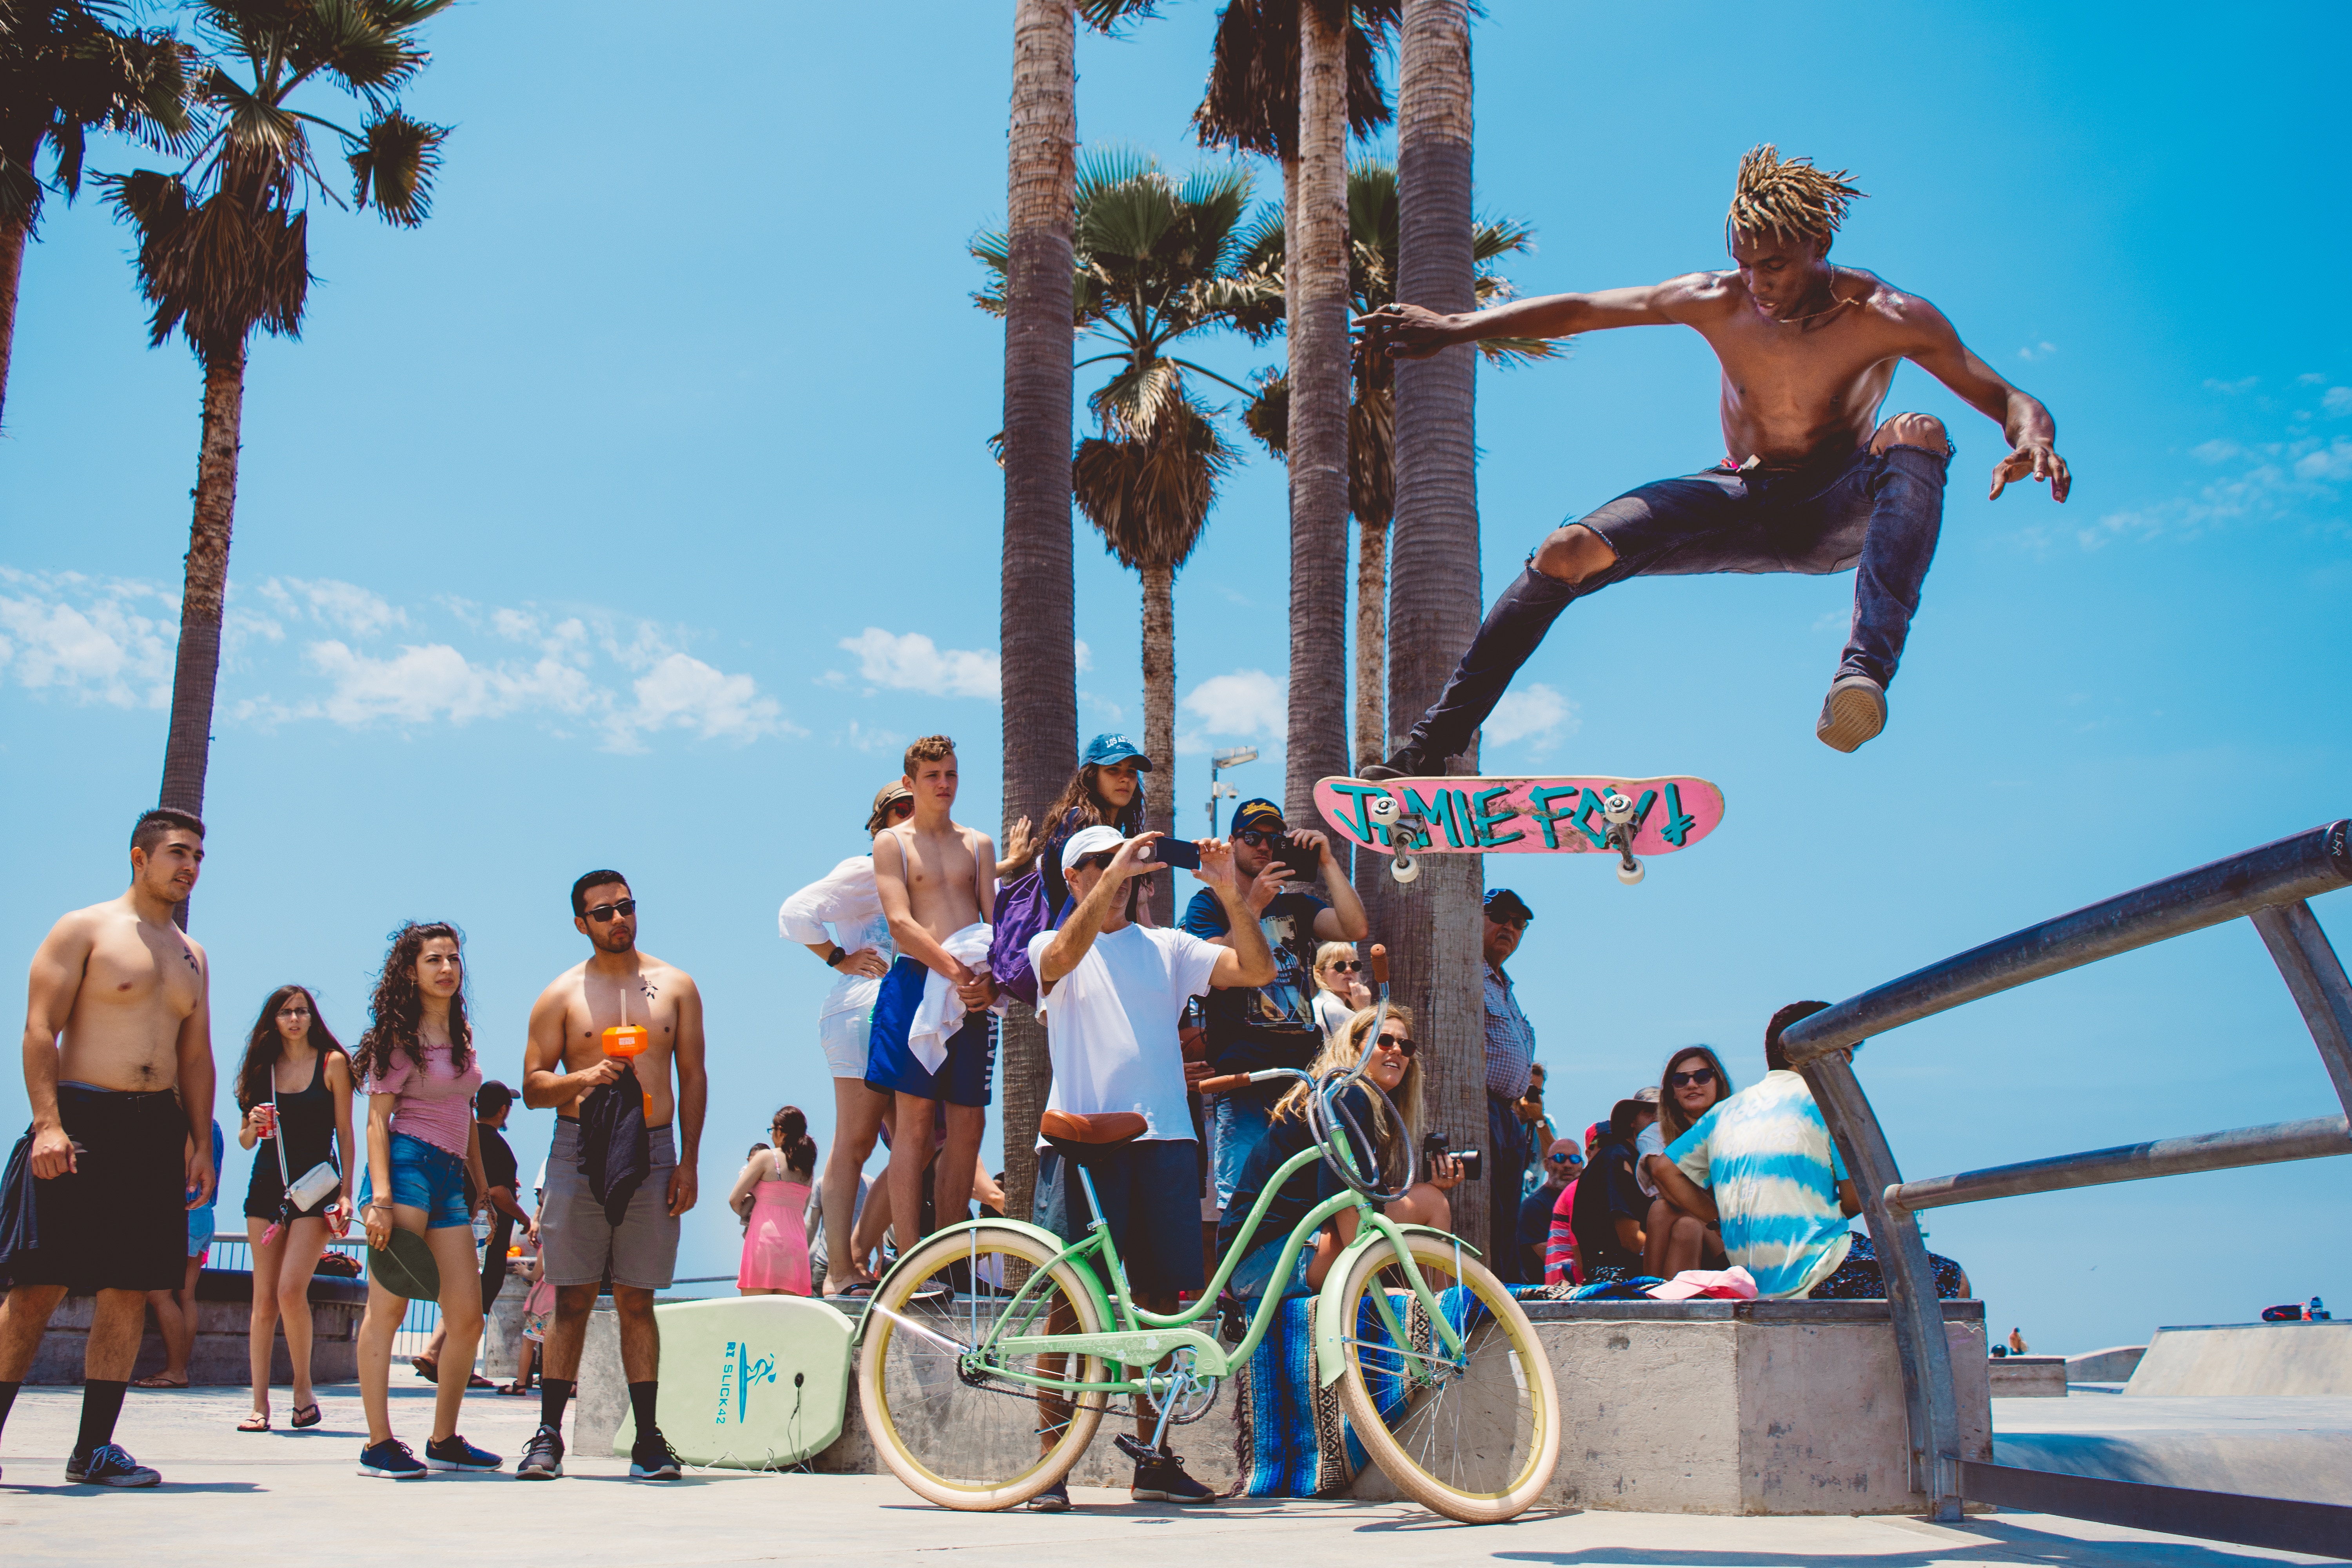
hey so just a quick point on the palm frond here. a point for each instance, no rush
(1131, 404)
(1268, 416)
(1494, 237)
(1150, 495)
(393, 163)
(1104, 17)
(1507, 352)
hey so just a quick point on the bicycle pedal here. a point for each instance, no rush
(1136, 1448)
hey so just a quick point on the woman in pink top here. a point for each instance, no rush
(418, 1059)
(772, 1194)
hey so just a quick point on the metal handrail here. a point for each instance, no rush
(2268, 886)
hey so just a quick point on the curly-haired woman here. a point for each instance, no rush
(417, 1057)
(295, 1090)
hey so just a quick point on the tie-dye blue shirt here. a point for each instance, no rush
(1769, 1160)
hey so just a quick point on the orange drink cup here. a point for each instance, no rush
(627, 1040)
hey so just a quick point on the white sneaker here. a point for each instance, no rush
(1853, 712)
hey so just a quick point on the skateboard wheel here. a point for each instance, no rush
(1382, 809)
(1404, 868)
(1616, 808)
(1630, 874)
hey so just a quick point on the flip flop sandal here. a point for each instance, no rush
(427, 1370)
(315, 1417)
(158, 1381)
(476, 1379)
(520, 1388)
(863, 1288)
(257, 1422)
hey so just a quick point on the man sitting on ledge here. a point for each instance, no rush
(1764, 1163)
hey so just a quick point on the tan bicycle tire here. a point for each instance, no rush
(880, 1332)
(1409, 1475)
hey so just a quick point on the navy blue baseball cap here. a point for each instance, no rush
(1113, 749)
(1262, 815)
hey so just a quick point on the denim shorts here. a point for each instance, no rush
(1253, 1274)
(425, 1177)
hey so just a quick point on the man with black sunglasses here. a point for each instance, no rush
(1272, 1026)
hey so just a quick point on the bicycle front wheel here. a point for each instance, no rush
(1472, 1436)
(951, 1415)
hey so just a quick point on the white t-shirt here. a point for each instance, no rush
(1110, 1024)
(1649, 1140)
(1331, 1013)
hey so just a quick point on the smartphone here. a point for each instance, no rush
(1178, 852)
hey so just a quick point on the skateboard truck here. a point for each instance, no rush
(1404, 827)
(1618, 812)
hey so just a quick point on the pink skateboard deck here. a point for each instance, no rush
(1522, 815)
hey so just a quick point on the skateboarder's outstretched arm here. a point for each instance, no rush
(1410, 331)
(2033, 434)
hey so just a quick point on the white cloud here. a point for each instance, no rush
(1245, 702)
(1534, 712)
(2309, 378)
(1105, 711)
(682, 692)
(328, 602)
(2037, 351)
(2333, 462)
(866, 740)
(913, 662)
(2337, 401)
(2291, 481)
(94, 641)
(2232, 388)
(2215, 451)
(1086, 656)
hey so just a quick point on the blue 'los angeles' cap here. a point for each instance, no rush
(1105, 749)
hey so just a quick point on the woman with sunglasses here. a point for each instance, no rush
(839, 919)
(1674, 1238)
(1107, 791)
(1339, 990)
(1397, 1072)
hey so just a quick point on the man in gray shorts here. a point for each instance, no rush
(616, 1009)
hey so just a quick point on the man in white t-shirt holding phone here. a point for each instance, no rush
(1112, 993)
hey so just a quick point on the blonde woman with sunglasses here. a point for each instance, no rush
(1339, 989)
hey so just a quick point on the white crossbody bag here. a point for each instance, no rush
(317, 1180)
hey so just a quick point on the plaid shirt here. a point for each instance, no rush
(1510, 1039)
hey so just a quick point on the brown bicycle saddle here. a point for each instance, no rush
(1102, 1128)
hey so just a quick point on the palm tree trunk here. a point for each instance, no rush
(1372, 636)
(1160, 721)
(1318, 330)
(12, 264)
(1435, 597)
(188, 750)
(1038, 628)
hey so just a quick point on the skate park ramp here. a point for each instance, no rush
(2292, 1359)
(2262, 1409)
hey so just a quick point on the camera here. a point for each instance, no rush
(1433, 1146)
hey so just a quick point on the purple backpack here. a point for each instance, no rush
(1022, 910)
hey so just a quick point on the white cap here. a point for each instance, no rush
(1088, 841)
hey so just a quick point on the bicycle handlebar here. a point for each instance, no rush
(1380, 957)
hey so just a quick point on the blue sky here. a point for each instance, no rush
(636, 508)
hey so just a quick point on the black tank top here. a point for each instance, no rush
(307, 1119)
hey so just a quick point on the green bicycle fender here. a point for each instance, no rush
(1035, 1233)
(1327, 1350)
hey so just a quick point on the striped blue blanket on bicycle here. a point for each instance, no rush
(1292, 1439)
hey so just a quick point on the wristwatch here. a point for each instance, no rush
(832, 959)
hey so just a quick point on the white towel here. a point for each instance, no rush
(943, 1011)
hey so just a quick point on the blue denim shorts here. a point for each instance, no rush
(425, 1177)
(1254, 1275)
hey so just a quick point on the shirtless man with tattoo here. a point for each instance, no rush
(1812, 481)
(615, 987)
(119, 1068)
(937, 880)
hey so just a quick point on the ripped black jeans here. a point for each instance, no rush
(1880, 511)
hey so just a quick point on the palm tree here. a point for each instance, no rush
(222, 250)
(1156, 263)
(1038, 627)
(1372, 241)
(1435, 597)
(69, 68)
(1288, 77)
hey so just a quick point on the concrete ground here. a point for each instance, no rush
(229, 1498)
(2267, 1445)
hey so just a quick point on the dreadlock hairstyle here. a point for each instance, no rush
(1786, 198)
(397, 1008)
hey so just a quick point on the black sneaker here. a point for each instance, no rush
(453, 1453)
(108, 1465)
(651, 1458)
(1162, 1478)
(1055, 1498)
(392, 1461)
(542, 1457)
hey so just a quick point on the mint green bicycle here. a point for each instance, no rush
(991, 1353)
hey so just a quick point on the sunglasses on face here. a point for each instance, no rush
(1402, 1047)
(1098, 862)
(1344, 965)
(599, 913)
(1696, 1078)
(1566, 1159)
(293, 1012)
(1263, 838)
(900, 808)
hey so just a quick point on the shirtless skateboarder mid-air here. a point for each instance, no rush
(119, 1069)
(1813, 481)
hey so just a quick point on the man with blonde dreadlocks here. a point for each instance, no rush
(1813, 480)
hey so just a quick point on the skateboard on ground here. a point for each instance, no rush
(1628, 817)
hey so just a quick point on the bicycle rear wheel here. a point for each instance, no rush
(1474, 1438)
(949, 1424)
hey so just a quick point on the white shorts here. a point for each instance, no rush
(842, 1035)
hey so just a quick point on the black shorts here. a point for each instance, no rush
(119, 1220)
(1150, 1198)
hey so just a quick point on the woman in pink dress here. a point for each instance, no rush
(771, 1194)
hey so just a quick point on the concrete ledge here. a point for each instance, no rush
(2280, 1446)
(2114, 1364)
(2298, 1358)
(2027, 1376)
(221, 1356)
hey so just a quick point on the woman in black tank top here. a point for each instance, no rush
(296, 1076)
